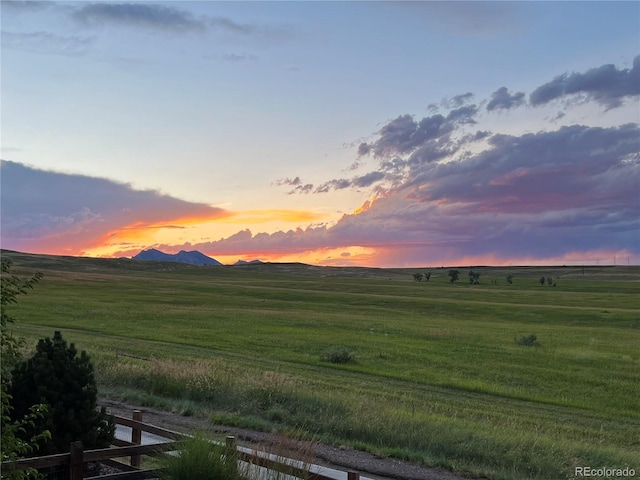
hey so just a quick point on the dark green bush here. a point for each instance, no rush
(57, 377)
(338, 355)
(528, 341)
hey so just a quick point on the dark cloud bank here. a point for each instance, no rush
(42, 209)
(606, 85)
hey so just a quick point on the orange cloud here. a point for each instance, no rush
(139, 234)
(368, 204)
(277, 215)
(129, 239)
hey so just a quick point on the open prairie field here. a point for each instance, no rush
(437, 373)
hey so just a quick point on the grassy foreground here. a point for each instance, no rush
(437, 378)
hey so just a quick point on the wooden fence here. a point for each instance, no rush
(77, 456)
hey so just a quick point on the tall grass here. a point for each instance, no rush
(502, 443)
(200, 459)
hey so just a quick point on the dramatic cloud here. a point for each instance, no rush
(404, 135)
(446, 192)
(573, 167)
(570, 193)
(368, 179)
(46, 212)
(502, 99)
(405, 145)
(463, 115)
(404, 141)
(606, 85)
(153, 15)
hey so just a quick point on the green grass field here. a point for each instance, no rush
(438, 377)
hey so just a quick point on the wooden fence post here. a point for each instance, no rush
(136, 438)
(76, 464)
(230, 444)
(353, 476)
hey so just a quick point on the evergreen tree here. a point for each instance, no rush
(56, 376)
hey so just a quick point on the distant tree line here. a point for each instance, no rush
(550, 282)
(474, 278)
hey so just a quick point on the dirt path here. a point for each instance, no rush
(332, 457)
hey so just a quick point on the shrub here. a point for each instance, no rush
(203, 460)
(338, 355)
(528, 341)
(56, 376)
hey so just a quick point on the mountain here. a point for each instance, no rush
(193, 258)
(244, 262)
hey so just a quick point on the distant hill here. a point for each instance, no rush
(244, 262)
(28, 263)
(192, 258)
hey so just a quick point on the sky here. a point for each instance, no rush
(381, 134)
